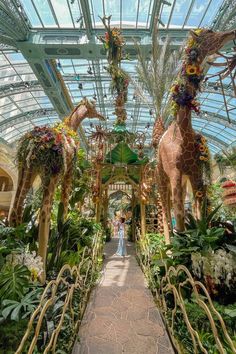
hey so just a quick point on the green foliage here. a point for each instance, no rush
(23, 308)
(215, 193)
(199, 321)
(14, 280)
(227, 159)
(69, 237)
(11, 333)
(199, 236)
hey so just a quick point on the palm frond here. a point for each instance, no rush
(156, 74)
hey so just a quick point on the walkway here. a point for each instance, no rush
(121, 316)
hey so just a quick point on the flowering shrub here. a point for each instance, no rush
(43, 147)
(29, 259)
(217, 268)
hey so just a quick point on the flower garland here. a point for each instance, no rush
(203, 154)
(191, 73)
(113, 38)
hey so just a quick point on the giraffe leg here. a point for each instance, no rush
(66, 189)
(197, 184)
(13, 215)
(164, 192)
(178, 203)
(44, 221)
(26, 185)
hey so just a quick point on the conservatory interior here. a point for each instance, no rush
(118, 176)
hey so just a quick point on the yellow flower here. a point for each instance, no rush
(201, 158)
(198, 31)
(199, 194)
(191, 69)
(191, 42)
(34, 274)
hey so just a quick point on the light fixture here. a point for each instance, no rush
(77, 77)
(105, 95)
(131, 117)
(26, 84)
(59, 65)
(134, 97)
(11, 87)
(90, 71)
(80, 86)
(205, 114)
(78, 19)
(95, 97)
(150, 112)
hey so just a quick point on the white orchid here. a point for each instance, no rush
(29, 259)
(220, 265)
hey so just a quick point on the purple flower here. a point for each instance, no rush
(193, 54)
(55, 169)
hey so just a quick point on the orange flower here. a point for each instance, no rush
(191, 69)
(58, 138)
(202, 148)
(199, 194)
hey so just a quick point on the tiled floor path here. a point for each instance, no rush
(121, 316)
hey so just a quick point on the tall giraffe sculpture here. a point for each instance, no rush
(181, 152)
(49, 153)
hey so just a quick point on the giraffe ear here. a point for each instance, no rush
(193, 34)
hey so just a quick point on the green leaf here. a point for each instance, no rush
(211, 215)
(13, 281)
(122, 154)
(231, 248)
(231, 313)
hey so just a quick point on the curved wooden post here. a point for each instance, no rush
(143, 218)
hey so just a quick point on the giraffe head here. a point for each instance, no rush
(209, 42)
(85, 109)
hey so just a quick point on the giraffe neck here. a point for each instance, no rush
(183, 119)
(76, 117)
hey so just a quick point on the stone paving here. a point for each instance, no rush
(121, 316)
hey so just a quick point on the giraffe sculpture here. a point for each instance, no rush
(181, 152)
(49, 153)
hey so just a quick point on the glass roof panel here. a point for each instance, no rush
(31, 12)
(180, 10)
(89, 78)
(62, 13)
(209, 15)
(199, 7)
(127, 14)
(189, 13)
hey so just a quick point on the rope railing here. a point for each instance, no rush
(177, 284)
(71, 287)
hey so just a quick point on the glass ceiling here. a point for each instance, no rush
(24, 103)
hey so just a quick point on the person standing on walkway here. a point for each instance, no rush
(121, 250)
